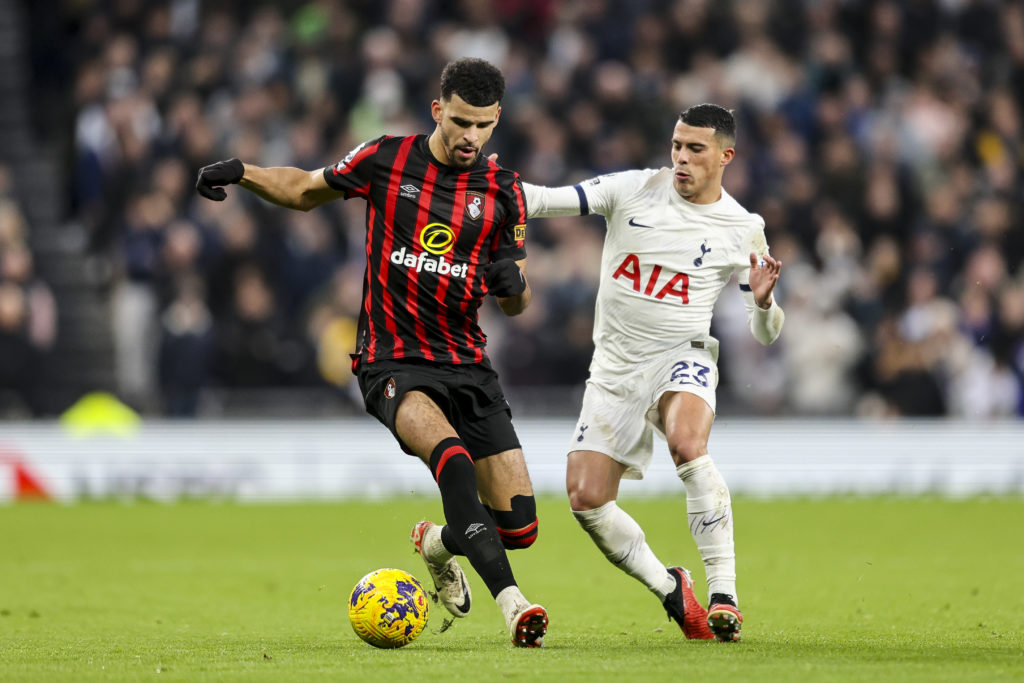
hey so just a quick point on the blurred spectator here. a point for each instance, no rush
(28, 310)
(135, 304)
(331, 327)
(825, 346)
(186, 348)
(13, 228)
(254, 348)
(310, 256)
(905, 377)
(16, 267)
(19, 359)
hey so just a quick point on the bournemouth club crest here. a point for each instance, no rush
(389, 388)
(474, 205)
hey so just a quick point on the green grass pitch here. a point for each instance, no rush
(832, 590)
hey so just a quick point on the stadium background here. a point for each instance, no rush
(885, 161)
(880, 140)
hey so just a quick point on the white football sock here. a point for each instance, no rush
(433, 548)
(511, 601)
(621, 540)
(709, 509)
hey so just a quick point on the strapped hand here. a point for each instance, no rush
(763, 277)
(213, 177)
(504, 278)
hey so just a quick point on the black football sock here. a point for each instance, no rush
(469, 528)
(518, 526)
(448, 540)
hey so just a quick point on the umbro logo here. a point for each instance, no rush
(632, 221)
(474, 528)
(409, 191)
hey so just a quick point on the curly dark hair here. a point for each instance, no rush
(476, 81)
(712, 116)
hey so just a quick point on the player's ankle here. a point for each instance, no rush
(433, 549)
(722, 599)
(511, 601)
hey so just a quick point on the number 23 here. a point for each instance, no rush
(685, 372)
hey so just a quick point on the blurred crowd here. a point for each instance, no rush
(28, 309)
(881, 141)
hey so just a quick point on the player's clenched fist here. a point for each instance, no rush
(212, 178)
(504, 278)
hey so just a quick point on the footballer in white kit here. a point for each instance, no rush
(674, 240)
(665, 261)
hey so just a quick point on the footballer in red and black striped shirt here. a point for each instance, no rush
(431, 228)
(444, 228)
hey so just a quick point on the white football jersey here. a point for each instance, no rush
(665, 260)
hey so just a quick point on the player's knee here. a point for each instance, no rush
(518, 526)
(687, 447)
(582, 497)
(452, 461)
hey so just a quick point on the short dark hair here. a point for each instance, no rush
(711, 116)
(477, 81)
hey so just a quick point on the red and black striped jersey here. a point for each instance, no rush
(429, 230)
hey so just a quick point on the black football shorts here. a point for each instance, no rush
(469, 395)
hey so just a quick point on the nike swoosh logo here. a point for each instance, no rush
(714, 521)
(632, 221)
(464, 607)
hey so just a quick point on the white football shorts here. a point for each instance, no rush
(620, 409)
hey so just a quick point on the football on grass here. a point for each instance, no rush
(388, 608)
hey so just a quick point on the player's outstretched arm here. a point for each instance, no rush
(766, 316)
(506, 281)
(544, 202)
(292, 188)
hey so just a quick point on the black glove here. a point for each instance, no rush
(504, 278)
(212, 177)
